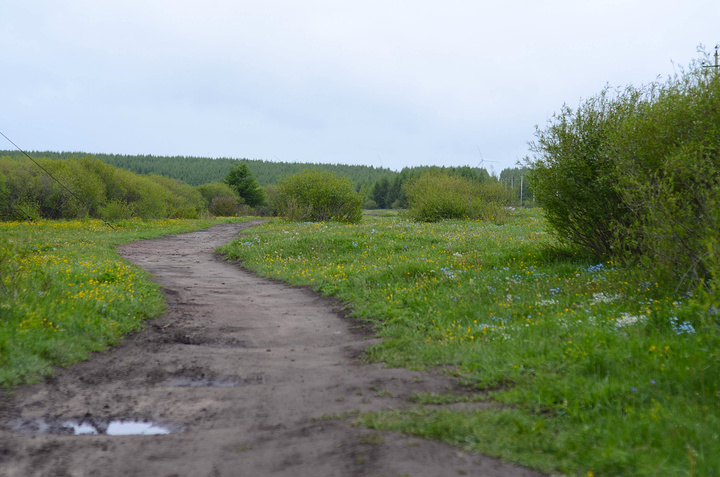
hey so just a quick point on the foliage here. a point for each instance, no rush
(210, 192)
(97, 189)
(390, 192)
(516, 178)
(203, 170)
(638, 172)
(242, 181)
(438, 195)
(65, 292)
(668, 164)
(224, 206)
(318, 196)
(574, 177)
(585, 366)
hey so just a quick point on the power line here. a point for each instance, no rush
(53, 177)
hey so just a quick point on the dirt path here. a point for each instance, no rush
(241, 371)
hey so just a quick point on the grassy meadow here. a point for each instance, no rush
(585, 367)
(65, 291)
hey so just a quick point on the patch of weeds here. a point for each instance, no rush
(438, 398)
(65, 292)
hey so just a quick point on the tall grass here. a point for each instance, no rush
(593, 369)
(65, 291)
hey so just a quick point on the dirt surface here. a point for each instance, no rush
(242, 371)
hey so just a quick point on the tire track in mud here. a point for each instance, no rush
(241, 370)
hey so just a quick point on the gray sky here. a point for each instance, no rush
(384, 83)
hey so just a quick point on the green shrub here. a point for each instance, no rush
(574, 175)
(438, 195)
(116, 210)
(313, 195)
(224, 206)
(97, 189)
(637, 173)
(668, 164)
(212, 191)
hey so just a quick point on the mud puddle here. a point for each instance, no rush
(90, 426)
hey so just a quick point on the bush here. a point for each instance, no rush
(116, 210)
(224, 206)
(438, 195)
(574, 174)
(212, 191)
(637, 173)
(313, 195)
(668, 165)
(97, 189)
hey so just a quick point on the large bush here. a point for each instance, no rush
(668, 169)
(213, 190)
(90, 188)
(438, 195)
(313, 195)
(574, 173)
(636, 172)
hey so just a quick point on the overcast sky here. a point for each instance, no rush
(383, 83)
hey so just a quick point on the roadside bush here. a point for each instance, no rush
(313, 195)
(224, 206)
(668, 167)
(637, 174)
(116, 210)
(438, 195)
(212, 191)
(97, 189)
(574, 174)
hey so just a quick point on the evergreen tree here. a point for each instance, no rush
(241, 179)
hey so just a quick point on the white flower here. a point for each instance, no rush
(628, 320)
(603, 298)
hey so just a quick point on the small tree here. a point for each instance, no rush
(241, 179)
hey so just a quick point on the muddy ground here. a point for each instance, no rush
(242, 372)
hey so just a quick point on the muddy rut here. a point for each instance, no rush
(238, 378)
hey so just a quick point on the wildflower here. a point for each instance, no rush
(628, 320)
(683, 328)
(603, 298)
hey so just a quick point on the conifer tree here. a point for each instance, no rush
(241, 179)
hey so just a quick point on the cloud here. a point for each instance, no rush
(413, 82)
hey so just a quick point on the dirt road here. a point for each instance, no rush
(238, 378)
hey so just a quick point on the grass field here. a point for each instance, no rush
(589, 368)
(65, 291)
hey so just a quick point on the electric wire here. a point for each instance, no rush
(53, 177)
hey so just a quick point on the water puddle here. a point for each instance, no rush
(89, 426)
(133, 428)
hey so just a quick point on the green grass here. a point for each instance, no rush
(65, 291)
(593, 370)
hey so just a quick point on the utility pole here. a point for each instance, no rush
(717, 63)
(521, 190)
